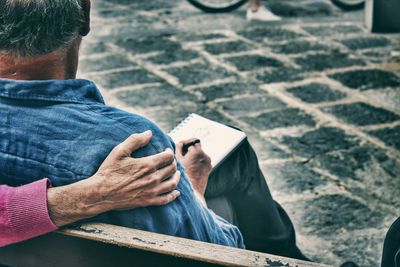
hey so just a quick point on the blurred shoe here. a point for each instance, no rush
(349, 264)
(263, 14)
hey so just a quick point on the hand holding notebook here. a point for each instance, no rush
(217, 140)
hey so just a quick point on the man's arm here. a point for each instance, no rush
(121, 182)
(197, 165)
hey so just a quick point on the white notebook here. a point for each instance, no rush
(217, 140)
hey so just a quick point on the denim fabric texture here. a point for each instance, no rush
(63, 130)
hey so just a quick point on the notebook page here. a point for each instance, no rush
(217, 140)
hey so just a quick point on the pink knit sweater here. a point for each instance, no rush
(23, 212)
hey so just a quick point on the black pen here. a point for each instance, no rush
(185, 147)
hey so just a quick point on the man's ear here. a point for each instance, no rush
(85, 27)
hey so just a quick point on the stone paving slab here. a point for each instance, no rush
(318, 96)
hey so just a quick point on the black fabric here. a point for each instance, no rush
(264, 224)
(391, 247)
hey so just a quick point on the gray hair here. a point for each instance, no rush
(30, 28)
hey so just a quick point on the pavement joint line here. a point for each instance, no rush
(180, 64)
(321, 116)
(275, 161)
(380, 126)
(111, 71)
(209, 41)
(239, 54)
(132, 88)
(147, 55)
(96, 55)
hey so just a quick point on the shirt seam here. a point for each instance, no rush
(41, 97)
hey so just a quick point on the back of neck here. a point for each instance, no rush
(47, 67)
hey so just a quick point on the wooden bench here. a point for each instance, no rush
(99, 245)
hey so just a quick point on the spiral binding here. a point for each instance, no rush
(182, 123)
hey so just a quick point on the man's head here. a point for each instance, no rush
(31, 29)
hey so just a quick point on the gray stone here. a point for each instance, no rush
(328, 31)
(349, 162)
(105, 63)
(297, 47)
(294, 177)
(320, 141)
(251, 62)
(136, 5)
(365, 42)
(201, 37)
(378, 56)
(148, 44)
(199, 73)
(242, 106)
(126, 78)
(270, 33)
(365, 249)
(335, 214)
(362, 114)
(333, 60)
(390, 136)
(280, 75)
(151, 97)
(280, 118)
(227, 47)
(316, 93)
(296, 9)
(227, 90)
(94, 48)
(174, 55)
(367, 79)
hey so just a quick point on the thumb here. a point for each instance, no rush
(131, 144)
(179, 148)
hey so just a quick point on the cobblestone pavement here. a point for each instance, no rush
(318, 96)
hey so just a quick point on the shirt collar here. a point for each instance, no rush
(75, 91)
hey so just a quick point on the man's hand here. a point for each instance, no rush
(197, 165)
(122, 182)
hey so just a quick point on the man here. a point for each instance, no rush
(53, 125)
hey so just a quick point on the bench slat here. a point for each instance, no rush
(179, 247)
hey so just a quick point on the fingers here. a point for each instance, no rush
(160, 160)
(131, 144)
(194, 149)
(168, 185)
(188, 141)
(184, 146)
(165, 199)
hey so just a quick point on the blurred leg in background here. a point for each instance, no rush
(256, 11)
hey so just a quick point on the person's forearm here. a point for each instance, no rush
(74, 202)
(23, 212)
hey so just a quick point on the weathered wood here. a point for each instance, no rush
(108, 245)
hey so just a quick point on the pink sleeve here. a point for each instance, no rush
(23, 212)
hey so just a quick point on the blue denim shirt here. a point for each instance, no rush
(64, 131)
